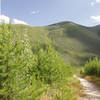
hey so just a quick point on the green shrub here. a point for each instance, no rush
(50, 66)
(92, 67)
(17, 63)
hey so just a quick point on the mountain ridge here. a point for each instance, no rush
(75, 43)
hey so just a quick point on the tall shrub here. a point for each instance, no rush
(16, 64)
(92, 67)
(50, 67)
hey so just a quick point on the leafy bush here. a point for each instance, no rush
(92, 67)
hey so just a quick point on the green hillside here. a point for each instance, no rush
(35, 34)
(75, 43)
(96, 29)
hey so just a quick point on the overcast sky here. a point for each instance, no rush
(45, 12)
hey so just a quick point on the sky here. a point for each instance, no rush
(46, 12)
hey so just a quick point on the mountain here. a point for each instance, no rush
(96, 29)
(75, 43)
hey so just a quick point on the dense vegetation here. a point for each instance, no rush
(27, 75)
(92, 67)
(31, 67)
(75, 43)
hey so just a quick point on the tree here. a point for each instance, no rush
(50, 67)
(16, 64)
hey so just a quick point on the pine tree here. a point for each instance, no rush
(50, 67)
(16, 64)
(5, 52)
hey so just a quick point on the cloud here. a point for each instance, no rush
(96, 18)
(16, 21)
(5, 19)
(35, 12)
(92, 3)
(95, 2)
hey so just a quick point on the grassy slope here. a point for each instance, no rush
(35, 34)
(96, 29)
(74, 42)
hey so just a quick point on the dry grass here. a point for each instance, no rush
(77, 88)
(74, 85)
(91, 78)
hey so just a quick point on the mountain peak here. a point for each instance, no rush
(62, 23)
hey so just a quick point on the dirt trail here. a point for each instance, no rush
(92, 91)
